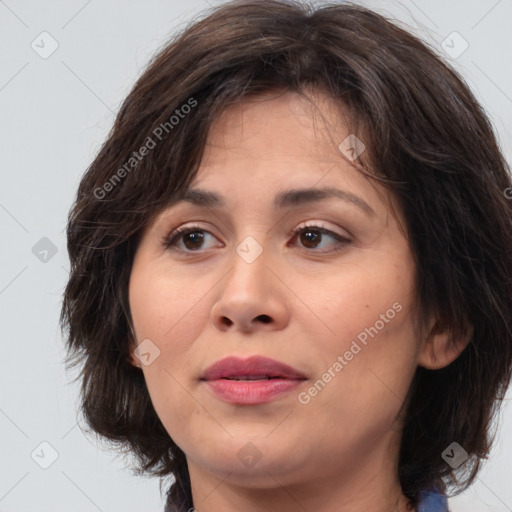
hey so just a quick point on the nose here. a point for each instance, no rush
(251, 298)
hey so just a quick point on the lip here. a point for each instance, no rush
(255, 366)
(283, 378)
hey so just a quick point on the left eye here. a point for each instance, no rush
(312, 236)
(191, 239)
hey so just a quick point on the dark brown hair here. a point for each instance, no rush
(428, 141)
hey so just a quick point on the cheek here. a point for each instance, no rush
(372, 294)
(165, 307)
(368, 371)
(168, 311)
(368, 310)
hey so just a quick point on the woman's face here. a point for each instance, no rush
(333, 302)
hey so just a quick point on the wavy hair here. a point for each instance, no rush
(427, 139)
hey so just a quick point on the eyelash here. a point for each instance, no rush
(169, 241)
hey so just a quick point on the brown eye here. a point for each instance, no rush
(193, 239)
(188, 239)
(311, 237)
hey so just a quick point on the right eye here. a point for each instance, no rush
(187, 239)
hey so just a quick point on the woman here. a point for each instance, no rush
(291, 270)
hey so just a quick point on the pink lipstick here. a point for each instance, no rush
(254, 380)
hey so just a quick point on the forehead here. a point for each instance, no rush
(272, 124)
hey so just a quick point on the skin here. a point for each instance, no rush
(339, 451)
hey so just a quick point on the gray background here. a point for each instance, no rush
(55, 113)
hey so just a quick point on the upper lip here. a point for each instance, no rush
(255, 366)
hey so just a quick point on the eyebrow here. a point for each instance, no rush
(288, 198)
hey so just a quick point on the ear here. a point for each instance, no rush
(132, 358)
(440, 348)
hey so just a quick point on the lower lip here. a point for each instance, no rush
(251, 392)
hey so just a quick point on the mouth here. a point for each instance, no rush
(249, 381)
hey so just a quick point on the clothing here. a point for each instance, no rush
(433, 501)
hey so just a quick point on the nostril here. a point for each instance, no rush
(226, 321)
(264, 318)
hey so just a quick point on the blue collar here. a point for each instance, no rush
(432, 501)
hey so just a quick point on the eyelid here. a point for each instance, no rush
(321, 224)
